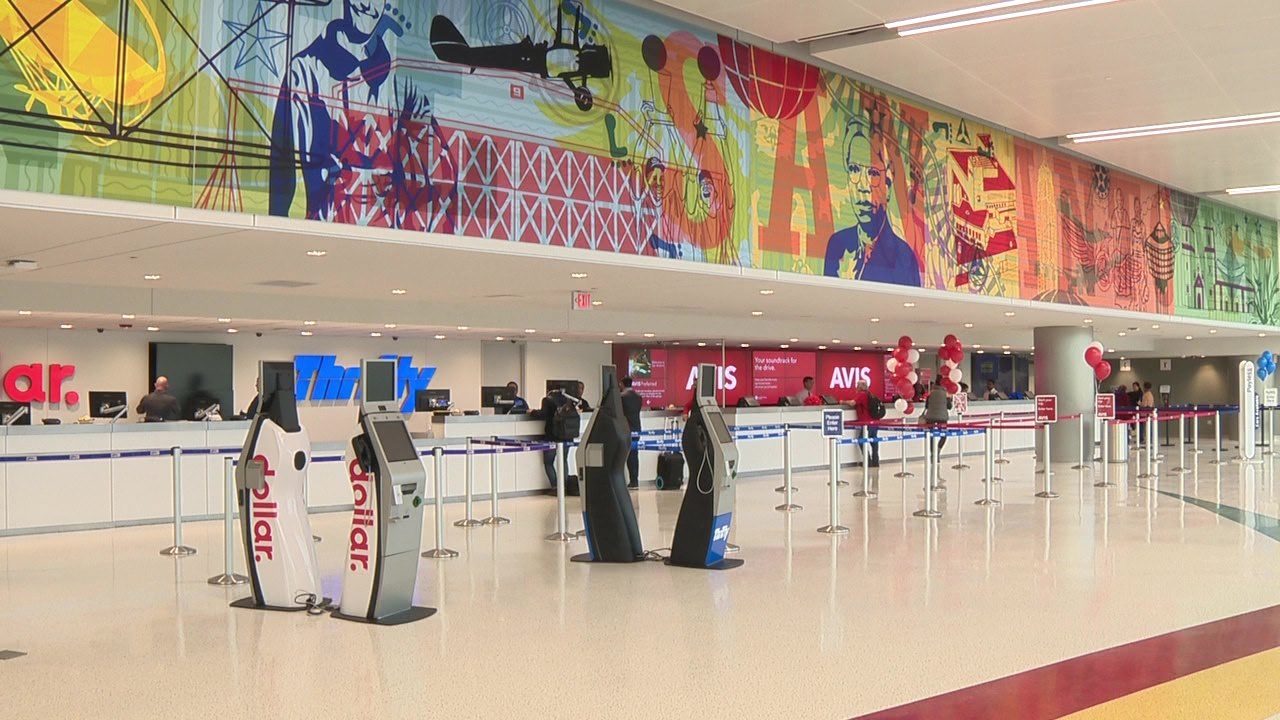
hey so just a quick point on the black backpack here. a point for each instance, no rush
(566, 422)
(875, 408)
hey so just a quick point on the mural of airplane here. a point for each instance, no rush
(573, 62)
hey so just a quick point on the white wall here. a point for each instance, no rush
(118, 360)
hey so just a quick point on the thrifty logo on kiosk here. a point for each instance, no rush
(719, 538)
(322, 379)
(26, 384)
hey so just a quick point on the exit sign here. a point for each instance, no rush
(581, 300)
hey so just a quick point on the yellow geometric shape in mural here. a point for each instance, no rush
(71, 62)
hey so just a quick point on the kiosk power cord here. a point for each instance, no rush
(655, 555)
(315, 606)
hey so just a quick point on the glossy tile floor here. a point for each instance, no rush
(812, 626)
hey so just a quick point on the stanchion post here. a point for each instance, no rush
(1002, 460)
(1106, 461)
(864, 442)
(439, 552)
(177, 549)
(929, 510)
(1047, 493)
(1083, 464)
(228, 576)
(833, 527)
(494, 518)
(1195, 432)
(562, 533)
(1217, 438)
(787, 505)
(989, 469)
(1182, 445)
(960, 464)
(469, 521)
(904, 472)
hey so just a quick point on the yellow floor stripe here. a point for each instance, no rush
(1245, 689)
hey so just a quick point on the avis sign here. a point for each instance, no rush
(30, 383)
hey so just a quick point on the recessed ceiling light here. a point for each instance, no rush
(608, 342)
(1122, 333)
(439, 337)
(952, 15)
(391, 326)
(126, 316)
(766, 292)
(27, 312)
(875, 320)
(308, 323)
(224, 320)
(597, 303)
(875, 342)
(375, 334)
(317, 253)
(555, 340)
(1111, 350)
(977, 346)
(702, 344)
(648, 335)
(835, 341)
(857, 347)
(1008, 352)
(1213, 332)
(1262, 334)
(621, 334)
(1155, 326)
(757, 313)
(746, 345)
(463, 328)
(822, 347)
(499, 338)
(153, 328)
(399, 291)
(150, 277)
(785, 346)
(578, 275)
(1188, 337)
(1254, 190)
(1174, 128)
(1088, 321)
(908, 304)
(306, 333)
(68, 326)
(968, 325)
(794, 340)
(233, 331)
(1009, 313)
(1004, 347)
(530, 331)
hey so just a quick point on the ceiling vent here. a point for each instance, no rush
(289, 284)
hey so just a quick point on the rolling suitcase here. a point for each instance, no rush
(670, 463)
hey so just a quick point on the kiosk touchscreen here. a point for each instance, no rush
(387, 480)
(271, 478)
(607, 514)
(702, 528)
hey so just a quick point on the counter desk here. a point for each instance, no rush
(101, 475)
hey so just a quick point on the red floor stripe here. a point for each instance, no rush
(1069, 686)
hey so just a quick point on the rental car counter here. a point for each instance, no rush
(63, 477)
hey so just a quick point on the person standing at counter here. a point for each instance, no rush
(632, 403)
(802, 397)
(547, 413)
(993, 392)
(158, 405)
(868, 409)
(937, 411)
(581, 392)
(519, 405)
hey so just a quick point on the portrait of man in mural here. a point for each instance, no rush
(366, 155)
(878, 254)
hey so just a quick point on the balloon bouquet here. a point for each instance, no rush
(902, 369)
(949, 375)
(1266, 365)
(1093, 358)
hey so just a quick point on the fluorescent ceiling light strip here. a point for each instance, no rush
(1185, 126)
(1255, 190)
(1003, 16)
(958, 13)
(1176, 130)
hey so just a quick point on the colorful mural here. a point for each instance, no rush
(590, 124)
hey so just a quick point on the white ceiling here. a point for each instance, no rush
(93, 256)
(1133, 62)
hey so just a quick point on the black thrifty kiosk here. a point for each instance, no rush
(607, 515)
(387, 480)
(702, 528)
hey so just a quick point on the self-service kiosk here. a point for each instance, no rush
(702, 528)
(270, 480)
(387, 481)
(607, 514)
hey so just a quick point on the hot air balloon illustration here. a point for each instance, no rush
(71, 62)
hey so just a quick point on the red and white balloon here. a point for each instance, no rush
(901, 365)
(951, 354)
(1093, 358)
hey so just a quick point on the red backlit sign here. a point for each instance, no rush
(30, 384)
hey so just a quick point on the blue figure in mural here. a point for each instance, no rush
(878, 253)
(367, 156)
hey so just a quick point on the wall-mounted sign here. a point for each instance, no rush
(30, 383)
(581, 300)
(1126, 366)
(322, 379)
(1166, 364)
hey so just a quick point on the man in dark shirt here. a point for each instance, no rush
(631, 405)
(547, 412)
(159, 405)
(519, 405)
